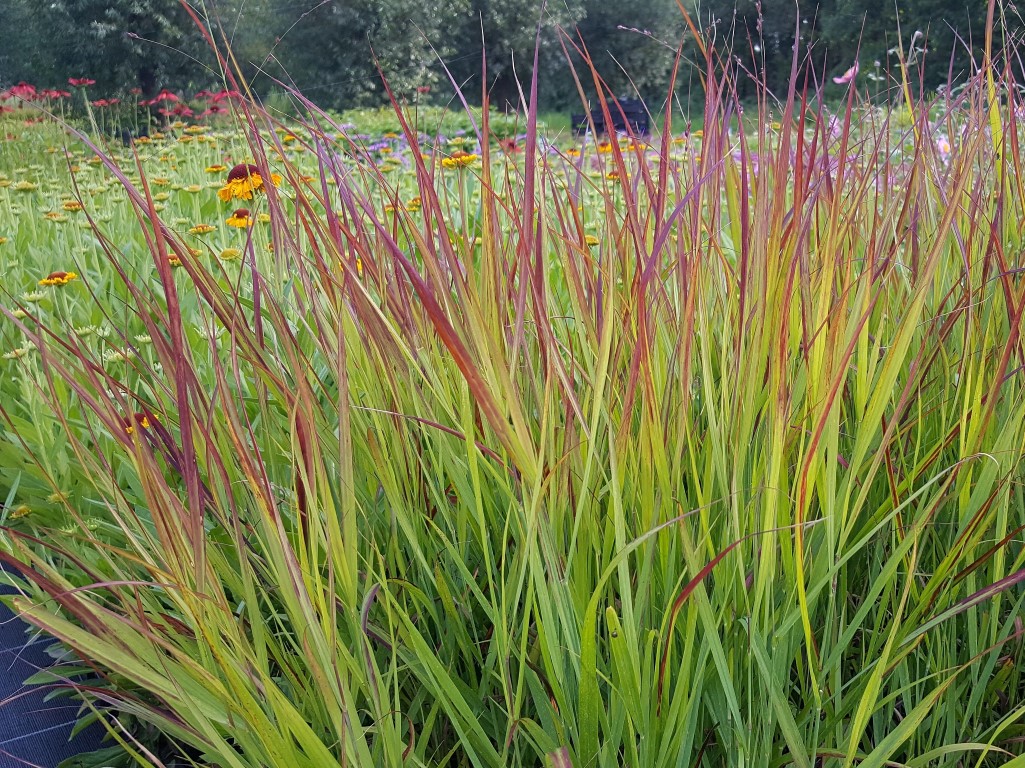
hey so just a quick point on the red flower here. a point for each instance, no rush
(135, 91)
(80, 81)
(21, 91)
(222, 95)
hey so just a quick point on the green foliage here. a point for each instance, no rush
(331, 51)
(130, 43)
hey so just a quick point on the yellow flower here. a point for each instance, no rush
(21, 511)
(216, 168)
(58, 278)
(459, 159)
(192, 188)
(229, 254)
(240, 219)
(591, 241)
(3, 240)
(72, 205)
(25, 186)
(243, 180)
(573, 152)
(414, 204)
(263, 218)
(160, 181)
(55, 216)
(137, 419)
(201, 229)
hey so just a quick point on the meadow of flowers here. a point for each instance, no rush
(498, 448)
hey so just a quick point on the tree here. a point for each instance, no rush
(28, 54)
(506, 32)
(332, 50)
(124, 43)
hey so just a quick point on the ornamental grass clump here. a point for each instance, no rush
(701, 451)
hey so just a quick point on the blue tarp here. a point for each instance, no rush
(33, 732)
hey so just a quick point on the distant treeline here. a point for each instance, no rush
(331, 49)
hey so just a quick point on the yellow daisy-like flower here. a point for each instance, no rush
(229, 254)
(161, 181)
(590, 241)
(240, 219)
(173, 260)
(573, 152)
(58, 278)
(71, 205)
(263, 218)
(243, 180)
(25, 186)
(201, 229)
(216, 168)
(55, 216)
(414, 204)
(459, 159)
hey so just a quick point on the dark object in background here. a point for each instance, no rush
(33, 731)
(127, 135)
(628, 116)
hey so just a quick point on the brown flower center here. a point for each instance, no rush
(242, 171)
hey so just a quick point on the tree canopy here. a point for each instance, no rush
(333, 49)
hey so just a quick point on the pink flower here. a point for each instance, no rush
(222, 95)
(847, 76)
(80, 81)
(21, 91)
